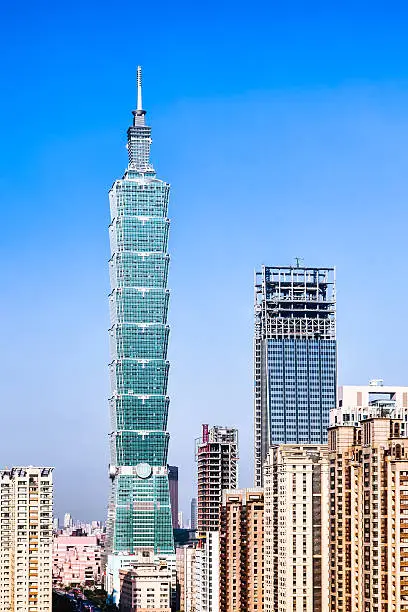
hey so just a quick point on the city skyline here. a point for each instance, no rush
(327, 141)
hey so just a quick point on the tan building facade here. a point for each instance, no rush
(146, 587)
(369, 517)
(296, 528)
(242, 551)
(26, 497)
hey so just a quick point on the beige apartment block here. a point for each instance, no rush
(241, 551)
(146, 586)
(369, 516)
(26, 539)
(357, 403)
(296, 528)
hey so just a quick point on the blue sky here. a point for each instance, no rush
(282, 128)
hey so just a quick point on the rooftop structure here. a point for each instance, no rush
(359, 402)
(294, 357)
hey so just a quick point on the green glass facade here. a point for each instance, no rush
(139, 510)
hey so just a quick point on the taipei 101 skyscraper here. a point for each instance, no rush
(139, 515)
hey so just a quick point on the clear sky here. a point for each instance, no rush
(282, 127)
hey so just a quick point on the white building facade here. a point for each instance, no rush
(207, 573)
(357, 403)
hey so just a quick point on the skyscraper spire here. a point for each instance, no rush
(139, 113)
(139, 89)
(139, 139)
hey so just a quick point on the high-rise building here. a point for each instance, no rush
(296, 528)
(242, 551)
(173, 488)
(193, 513)
(359, 402)
(368, 516)
(67, 520)
(207, 573)
(26, 539)
(180, 519)
(217, 457)
(294, 357)
(139, 512)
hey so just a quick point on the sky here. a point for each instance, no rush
(282, 128)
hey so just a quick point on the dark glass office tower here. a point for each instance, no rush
(173, 488)
(294, 357)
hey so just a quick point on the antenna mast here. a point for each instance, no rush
(139, 106)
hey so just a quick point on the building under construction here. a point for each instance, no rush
(294, 357)
(217, 456)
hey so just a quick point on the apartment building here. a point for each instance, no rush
(242, 551)
(26, 495)
(369, 516)
(296, 528)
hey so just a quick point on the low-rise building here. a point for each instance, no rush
(147, 586)
(76, 560)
